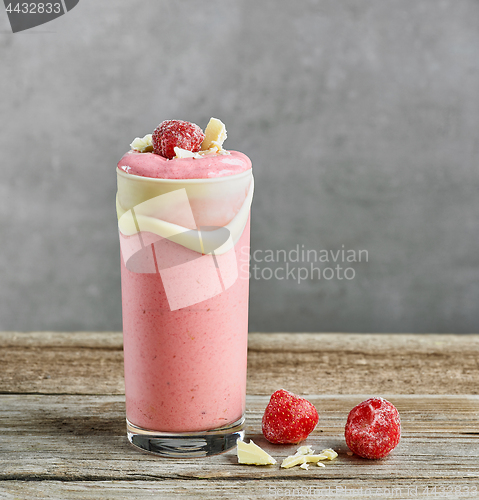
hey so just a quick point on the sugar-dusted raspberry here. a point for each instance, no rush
(288, 418)
(176, 133)
(373, 428)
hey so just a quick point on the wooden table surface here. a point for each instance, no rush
(62, 419)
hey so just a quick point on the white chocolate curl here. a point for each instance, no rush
(143, 144)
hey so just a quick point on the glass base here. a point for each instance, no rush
(186, 444)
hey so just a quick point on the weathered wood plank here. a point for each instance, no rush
(91, 340)
(82, 438)
(74, 446)
(310, 363)
(61, 363)
(307, 363)
(239, 489)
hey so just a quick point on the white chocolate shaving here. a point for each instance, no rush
(143, 144)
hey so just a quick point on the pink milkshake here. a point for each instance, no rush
(184, 235)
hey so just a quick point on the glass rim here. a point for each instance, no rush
(161, 180)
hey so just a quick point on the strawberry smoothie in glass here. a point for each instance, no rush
(183, 207)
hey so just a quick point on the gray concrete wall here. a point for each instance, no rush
(361, 118)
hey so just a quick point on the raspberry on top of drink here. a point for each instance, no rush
(157, 155)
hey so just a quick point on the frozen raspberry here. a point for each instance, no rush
(176, 133)
(373, 428)
(288, 418)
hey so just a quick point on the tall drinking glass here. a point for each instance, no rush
(185, 282)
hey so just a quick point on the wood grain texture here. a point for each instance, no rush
(73, 438)
(238, 489)
(62, 420)
(61, 363)
(340, 363)
(306, 363)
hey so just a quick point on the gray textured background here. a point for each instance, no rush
(361, 118)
